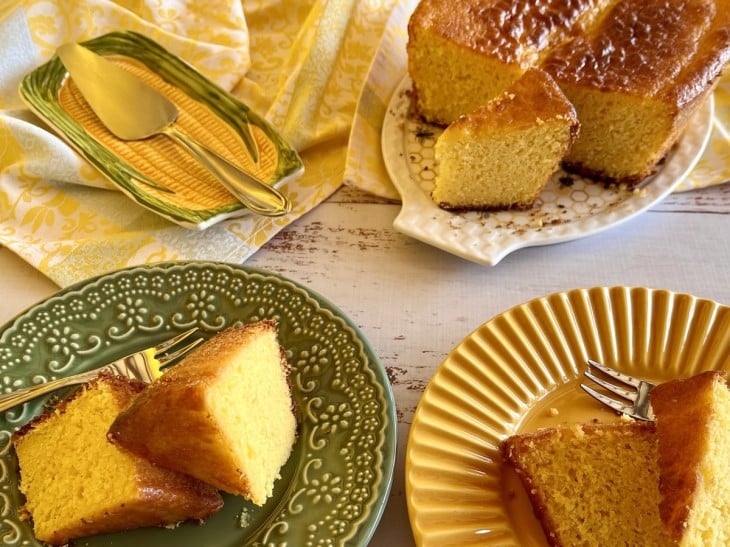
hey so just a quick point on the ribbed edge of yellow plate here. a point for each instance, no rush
(521, 370)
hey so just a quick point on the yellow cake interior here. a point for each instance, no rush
(480, 171)
(593, 485)
(60, 463)
(503, 154)
(255, 442)
(472, 79)
(623, 133)
(224, 414)
(708, 519)
(76, 483)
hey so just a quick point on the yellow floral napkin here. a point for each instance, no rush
(300, 64)
(365, 168)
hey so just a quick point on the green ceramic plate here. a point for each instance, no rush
(40, 90)
(336, 483)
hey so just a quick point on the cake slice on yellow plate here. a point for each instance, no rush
(592, 484)
(635, 483)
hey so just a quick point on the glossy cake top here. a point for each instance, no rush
(641, 47)
(515, 31)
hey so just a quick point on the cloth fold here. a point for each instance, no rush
(300, 64)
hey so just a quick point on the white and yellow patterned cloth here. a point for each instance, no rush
(303, 64)
(300, 63)
(367, 171)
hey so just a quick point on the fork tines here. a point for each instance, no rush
(612, 403)
(615, 375)
(168, 358)
(170, 342)
(633, 401)
(165, 357)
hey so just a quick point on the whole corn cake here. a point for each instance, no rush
(635, 70)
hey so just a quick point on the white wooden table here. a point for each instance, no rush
(415, 303)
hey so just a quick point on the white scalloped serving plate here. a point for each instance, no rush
(562, 212)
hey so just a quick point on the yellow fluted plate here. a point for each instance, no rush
(521, 371)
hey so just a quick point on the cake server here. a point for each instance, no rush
(132, 110)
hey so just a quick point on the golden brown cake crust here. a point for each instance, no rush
(163, 497)
(642, 47)
(463, 54)
(511, 31)
(534, 98)
(169, 422)
(683, 409)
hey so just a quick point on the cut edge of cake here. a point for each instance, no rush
(693, 430)
(83, 507)
(502, 155)
(578, 503)
(184, 420)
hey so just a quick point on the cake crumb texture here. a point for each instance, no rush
(224, 414)
(503, 154)
(593, 484)
(77, 484)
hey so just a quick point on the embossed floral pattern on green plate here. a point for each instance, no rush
(336, 483)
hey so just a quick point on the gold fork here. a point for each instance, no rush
(633, 402)
(144, 365)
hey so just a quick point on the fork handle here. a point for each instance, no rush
(14, 398)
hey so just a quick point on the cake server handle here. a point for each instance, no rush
(254, 193)
(20, 396)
